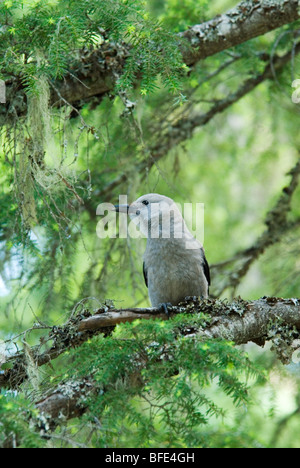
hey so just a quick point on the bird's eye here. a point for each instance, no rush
(145, 202)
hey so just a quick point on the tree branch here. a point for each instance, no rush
(249, 19)
(64, 402)
(183, 128)
(94, 74)
(273, 319)
(238, 321)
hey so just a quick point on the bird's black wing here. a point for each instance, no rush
(206, 269)
(145, 274)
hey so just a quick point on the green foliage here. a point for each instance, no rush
(39, 39)
(154, 383)
(15, 414)
(179, 15)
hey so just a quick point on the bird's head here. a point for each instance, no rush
(153, 213)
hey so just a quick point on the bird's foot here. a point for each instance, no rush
(164, 308)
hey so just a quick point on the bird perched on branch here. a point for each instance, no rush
(174, 261)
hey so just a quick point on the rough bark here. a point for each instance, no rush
(63, 403)
(266, 319)
(93, 75)
(238, 321)
(247, 20)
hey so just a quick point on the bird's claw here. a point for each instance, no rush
(164, 308)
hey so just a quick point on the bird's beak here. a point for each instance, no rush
(122, 208)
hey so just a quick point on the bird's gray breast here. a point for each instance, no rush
(173, 272)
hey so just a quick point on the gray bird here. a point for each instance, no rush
(174, 261)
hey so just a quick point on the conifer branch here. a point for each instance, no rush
(270, 318)
(95, 73)
(238, 321)
(183, 128)
(247, 20)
